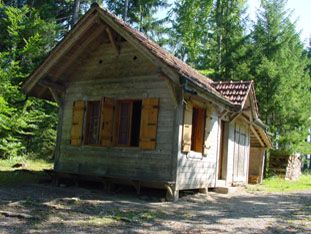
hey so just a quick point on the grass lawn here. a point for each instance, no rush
(277, 184)
(32, 170)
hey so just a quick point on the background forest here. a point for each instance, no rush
(214, 36)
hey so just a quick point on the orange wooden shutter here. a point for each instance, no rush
(77, 122)
(208, 128)
(187, 128)
(198, 129)
(149, 123)
(107, 118)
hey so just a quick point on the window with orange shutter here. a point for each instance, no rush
(109, 122)
(193, 128)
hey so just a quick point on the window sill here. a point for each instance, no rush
(195, 155)
(132, 148)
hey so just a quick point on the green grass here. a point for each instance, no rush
(277, 184)
(31, 172)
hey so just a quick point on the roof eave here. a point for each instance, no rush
(39, 72)
(212, 95)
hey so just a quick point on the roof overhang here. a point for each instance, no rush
(174, 68)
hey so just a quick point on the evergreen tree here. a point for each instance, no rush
(141, 14)
(189, 29)
(210, 36)
(279, 69)
(309, 57)
(24, 38)
(64, 13)
(226, 44)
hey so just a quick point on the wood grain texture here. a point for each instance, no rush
(149, 123)
(197, 170)
(187, 127)
(134, 80)
(107, 118)
(77, 122)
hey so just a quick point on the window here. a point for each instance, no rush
(110, 122)
(193, 128)
(92, 123)
(198, 124)
(136, 118)
(129, 122)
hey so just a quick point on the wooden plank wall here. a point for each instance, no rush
(125, 76)
(195, 170)
(230, 153)
(256, 163)
(241, 152)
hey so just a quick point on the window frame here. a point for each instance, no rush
(85, 129)
(139, 111)
(117, 120)
(198, 108)
(117, 123)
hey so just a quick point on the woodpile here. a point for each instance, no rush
(293, 169)
(253, 179)
(286, 166)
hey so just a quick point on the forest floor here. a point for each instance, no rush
(44, 208)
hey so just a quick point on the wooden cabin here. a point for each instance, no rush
(132, 112)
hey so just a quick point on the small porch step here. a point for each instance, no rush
(220, 183)
(227, 190)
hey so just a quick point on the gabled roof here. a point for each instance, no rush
(97, 21)
(136, 38)
(181, 67)
(237, 91)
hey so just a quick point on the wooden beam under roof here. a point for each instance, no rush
(79, 51)
(52, 85)
(257, 136)
(112, 40)
(56, 96)
(60, 49)
(137, 45)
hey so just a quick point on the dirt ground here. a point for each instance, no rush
(43, 208)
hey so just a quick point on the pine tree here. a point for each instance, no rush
(279, 69)
(141, 14)
(309, 56)
(189, 29)
(226, 44)
(24, 40)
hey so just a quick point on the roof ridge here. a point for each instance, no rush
(232, 81)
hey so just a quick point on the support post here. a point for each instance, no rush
(203, 190)
(171, 193)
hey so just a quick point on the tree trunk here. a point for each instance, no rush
(126, 6)
(75, 12)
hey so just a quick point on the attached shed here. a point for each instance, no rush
(132, 112)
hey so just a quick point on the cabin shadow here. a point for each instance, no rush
(37, 204)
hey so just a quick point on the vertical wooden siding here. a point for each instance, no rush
(241, 153)
(195, 170)
(120, 77)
